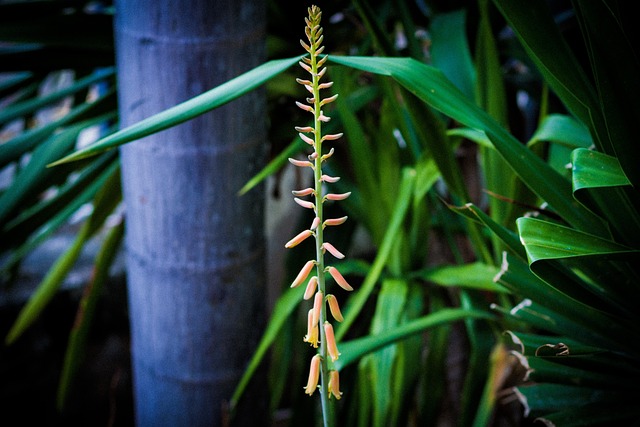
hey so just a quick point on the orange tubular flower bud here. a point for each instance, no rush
(334, 385)
(305, 46)
(332, 347)
(304, 203)
(315, 223)
(312, 331)
(329, 154)
(306, 139)
(311, 288)
(304, 107)
(300, 163)
(340, 280)
(304, 272)
(317, 307)
(342, 196)
(328, 100)
(324, 118)
(325, 85)
(305, 66)
(332, 250)
(314, 375)
(334, 308)
(302, 193)
(332, 137)
(330, 179)
(298, 239)
(335, 221)
(303, 82)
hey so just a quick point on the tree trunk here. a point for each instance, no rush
(195, 249)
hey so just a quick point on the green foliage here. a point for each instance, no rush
(549, 250)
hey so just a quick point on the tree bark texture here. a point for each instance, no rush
(195, 249)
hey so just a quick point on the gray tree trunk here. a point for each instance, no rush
(195, 250)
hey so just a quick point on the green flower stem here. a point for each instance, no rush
(327, 407)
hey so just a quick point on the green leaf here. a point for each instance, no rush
(358, 300)
(432, 87)
(592, 169)
(187, 110)
(285, 305)
(355, 349)
(450, 51)
(563, 130)
(473, 276)
(105, 201)
(78, 336)
(546, 240)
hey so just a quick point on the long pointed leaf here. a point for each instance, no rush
(187, 110)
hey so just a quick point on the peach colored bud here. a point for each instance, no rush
(311, 101)
(321, 61)
(321, 49)
(334, 385)
(312, 331)
(299, 239)
(342, 196)
(305, 46)
(304, 272)
(315, 223)
(306, 139)
(321, 72)
(332, 348)
(325, 85)
(314, 375)
(300, 163)
(304, 107)
(311, 287)
(329, 154)
(330, 179)
(303, 82)
(335, 221)
(332, 137)
(324, 118)
(305, 129)
(302, 193)
(317, 307)
(334, 308)
(304, 203)
(328, 100)
(309, 88)
(331, 249)
(340, 280)
(313, 156)
(305, 66)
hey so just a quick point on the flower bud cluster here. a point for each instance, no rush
(319, 329)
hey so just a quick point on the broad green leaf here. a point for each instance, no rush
(473, 276)
(432, 87)
(358, 300)
(450, 51)
(546, 240)
(592, 169)
(534, 25)
(556, 397)
(355, 349)
(187, 110)
(510, 238)
(563, 130)
(614, 76)
(389, 306)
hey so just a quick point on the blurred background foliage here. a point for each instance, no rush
(493, 227)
